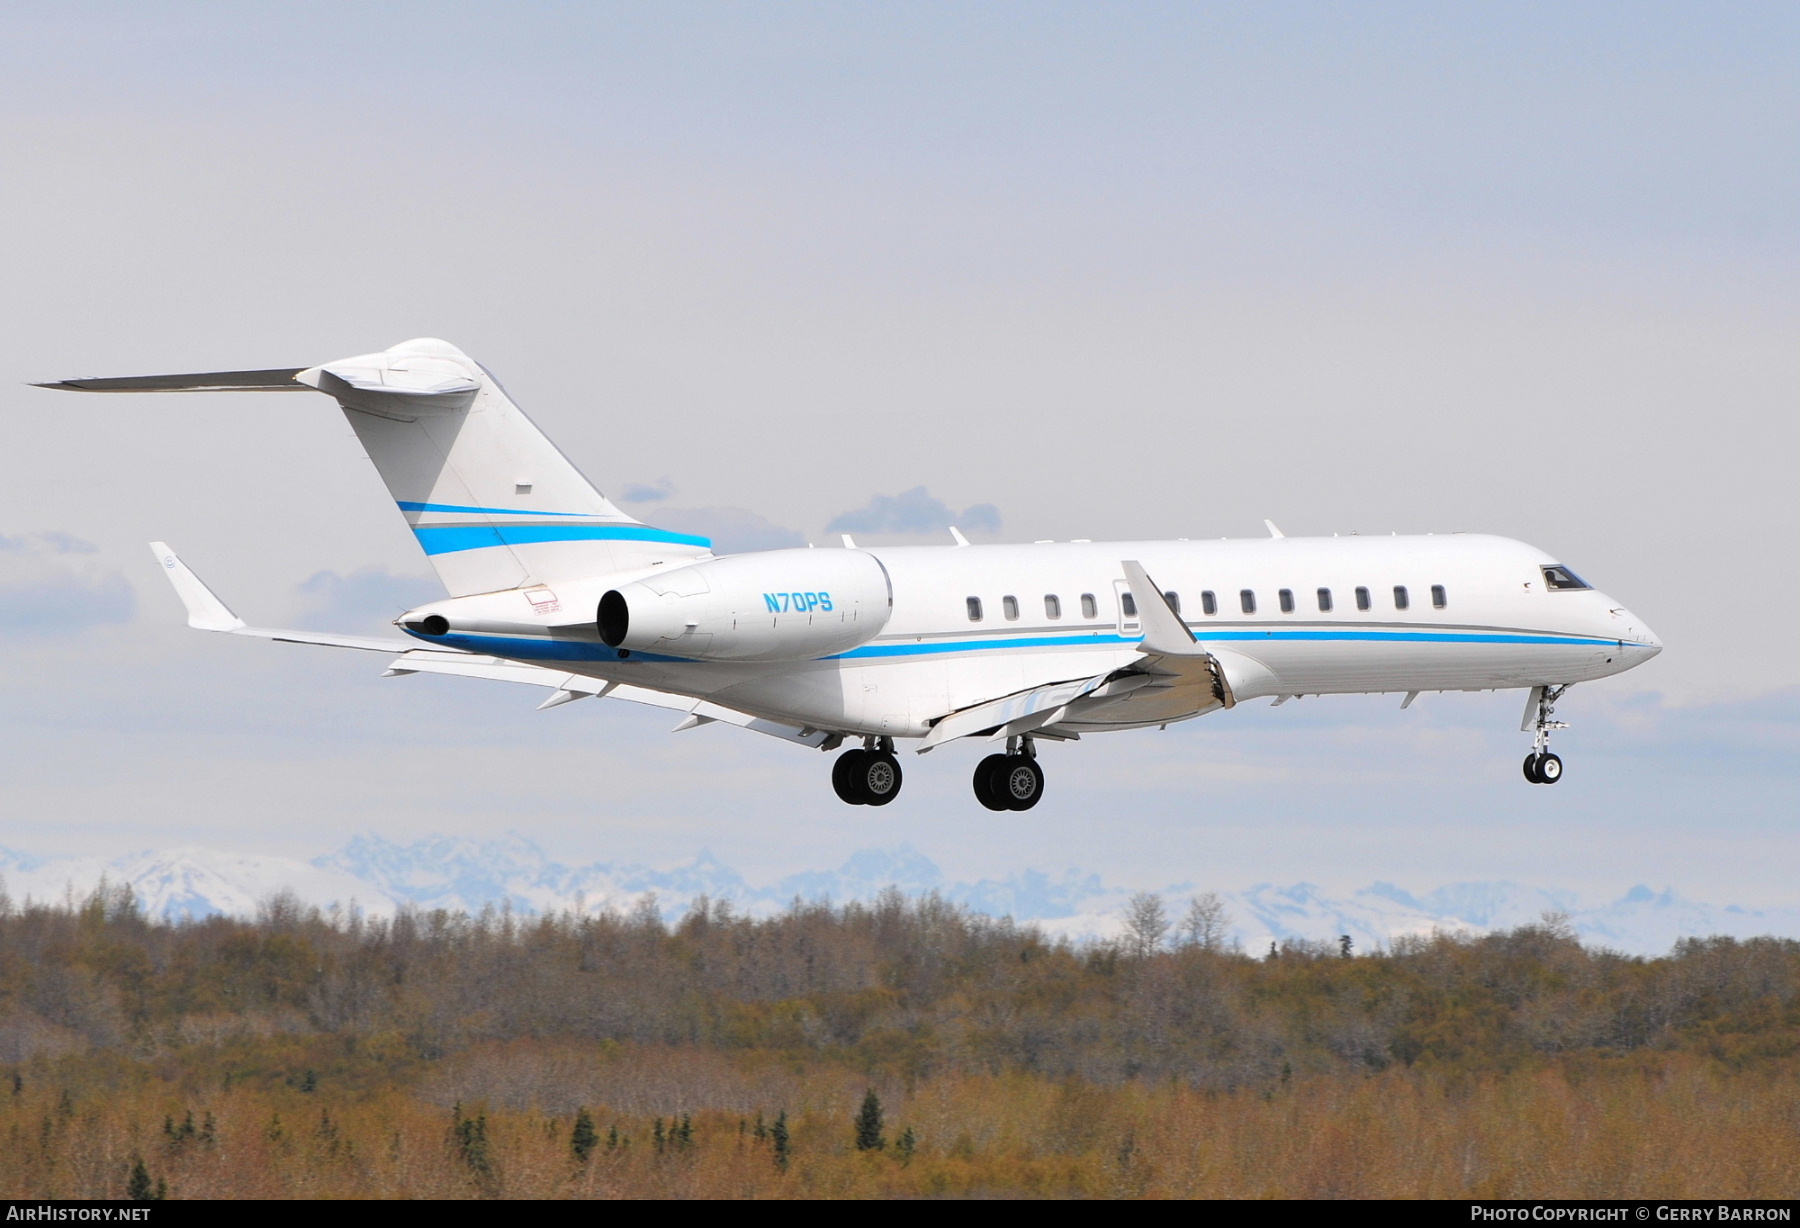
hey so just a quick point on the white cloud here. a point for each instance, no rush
(914, 511)
(51, 584)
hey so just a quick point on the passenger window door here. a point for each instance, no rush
(1127, 608)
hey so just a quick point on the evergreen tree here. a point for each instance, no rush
(778, 1134)
(138, 1187)
(471, 1139)
(657, 1137)
(906, 1145)
(583, 1138)
(868, 1124)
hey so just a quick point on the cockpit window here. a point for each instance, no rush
(1558, 578)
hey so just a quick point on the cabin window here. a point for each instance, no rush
(1009, 606)
(1286, 597)
(1052, 606)
(1324, 601)
(1247, 601)
(1089, 607)
(1174, 600)
(1128, 603)
(974, 609)
(1558, 578)
(1208, 603)
(1439, 598)
(1362, 599)
(1401, 600)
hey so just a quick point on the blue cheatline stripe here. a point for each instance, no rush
(525, 648)
(1071, 641)
(1094, 640)
(451, 538)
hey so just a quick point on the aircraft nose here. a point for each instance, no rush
(1635, 633)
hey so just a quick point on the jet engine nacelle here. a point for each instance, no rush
(779, 605)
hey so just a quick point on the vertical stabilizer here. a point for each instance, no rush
(492, 502)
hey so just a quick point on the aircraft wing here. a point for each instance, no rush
(207, 613)
(569, 687)
(1178, 677)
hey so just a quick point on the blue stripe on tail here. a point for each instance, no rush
(449, 539)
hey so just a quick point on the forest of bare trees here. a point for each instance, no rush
(438, 1054)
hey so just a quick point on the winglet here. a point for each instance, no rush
(1165, 635)
(205, 611)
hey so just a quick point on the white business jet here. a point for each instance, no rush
(550, 584)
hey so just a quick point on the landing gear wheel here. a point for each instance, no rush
(844, 777)
(877, 776)
(988, 782)
(1531, 768)
(1549, 769)
(1021, 782)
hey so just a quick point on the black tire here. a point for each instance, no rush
(1549, 769)
(1531, 769)
(878, 777)
(987, 782)
(844, 777)
(1021, 783)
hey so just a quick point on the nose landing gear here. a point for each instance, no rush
(1541, 766)
(1012, 781)
(869, 776)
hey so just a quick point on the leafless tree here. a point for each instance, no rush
(1207, 925)
(1146, 921)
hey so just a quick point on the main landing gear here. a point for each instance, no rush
(1012, 781)
(868, 776)
(1542, 767)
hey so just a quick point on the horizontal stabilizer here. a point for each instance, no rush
(278, 380)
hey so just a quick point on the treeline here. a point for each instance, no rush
(901, 987)
(902, 1047)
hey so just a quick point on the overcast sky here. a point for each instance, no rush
(1088, 270)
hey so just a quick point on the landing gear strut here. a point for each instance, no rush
(1012, 781)
(868, 776)
(1542, 767)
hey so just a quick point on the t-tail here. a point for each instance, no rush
(493, 503)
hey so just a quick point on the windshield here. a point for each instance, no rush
(1558, 578)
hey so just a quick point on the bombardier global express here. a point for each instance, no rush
(550, 584)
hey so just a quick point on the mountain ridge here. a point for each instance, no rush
(378, 876)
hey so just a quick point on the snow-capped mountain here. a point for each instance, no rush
(379, 876)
